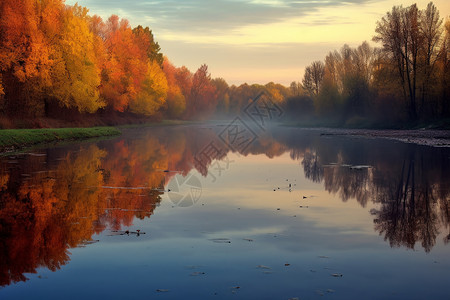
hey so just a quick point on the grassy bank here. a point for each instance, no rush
(11, 139)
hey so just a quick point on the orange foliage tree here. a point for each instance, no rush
(125, 67)
(26, 55)
(202, 98)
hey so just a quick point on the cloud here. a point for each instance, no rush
(208, 17)
(274, 39)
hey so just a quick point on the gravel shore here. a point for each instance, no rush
(435, 138)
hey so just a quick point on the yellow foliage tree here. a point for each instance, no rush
(77, 75)
(153, 93)
(176, 102)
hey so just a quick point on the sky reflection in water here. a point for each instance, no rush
(375, 212)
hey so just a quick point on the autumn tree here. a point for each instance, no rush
(146, 41)
(223, 98)
(176, 101)
(201, 100)
(27, 30)
(277, 92)
(125, 67)
(76, 75)
(240, 97)
(184, 80)
(153, 93)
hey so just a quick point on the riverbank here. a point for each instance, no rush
(428, 137)
(369, 124)
(13, 139)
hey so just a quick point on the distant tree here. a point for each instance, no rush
(202, 100)
(240, 96)
(223, 98)
(276, 91)
(296, 88)
(357, 79)
(184, 80)
(298, 106)
(313, 78)
(329, 99)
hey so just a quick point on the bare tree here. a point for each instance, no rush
(394, 31)
(313, 78)
(431, 32)
(295, 88)
(412, 39)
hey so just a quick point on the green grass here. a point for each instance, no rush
(20, 138)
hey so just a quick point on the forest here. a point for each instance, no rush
(60, 62)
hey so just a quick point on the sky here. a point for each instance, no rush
(253, 41)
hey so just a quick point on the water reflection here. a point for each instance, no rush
(59, 198)
(54, 201)
(409, 182)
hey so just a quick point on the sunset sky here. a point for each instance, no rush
(253, 41)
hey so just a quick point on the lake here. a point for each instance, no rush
(226, 211)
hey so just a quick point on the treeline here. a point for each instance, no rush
(54, 55)
(407, 79)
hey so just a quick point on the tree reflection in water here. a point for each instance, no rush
(410, 184)
(59, 198)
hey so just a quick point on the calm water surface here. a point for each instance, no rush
(195, 212)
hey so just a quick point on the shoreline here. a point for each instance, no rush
(425, 137)
(18, 139)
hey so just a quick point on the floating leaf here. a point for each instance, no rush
(263, 267)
